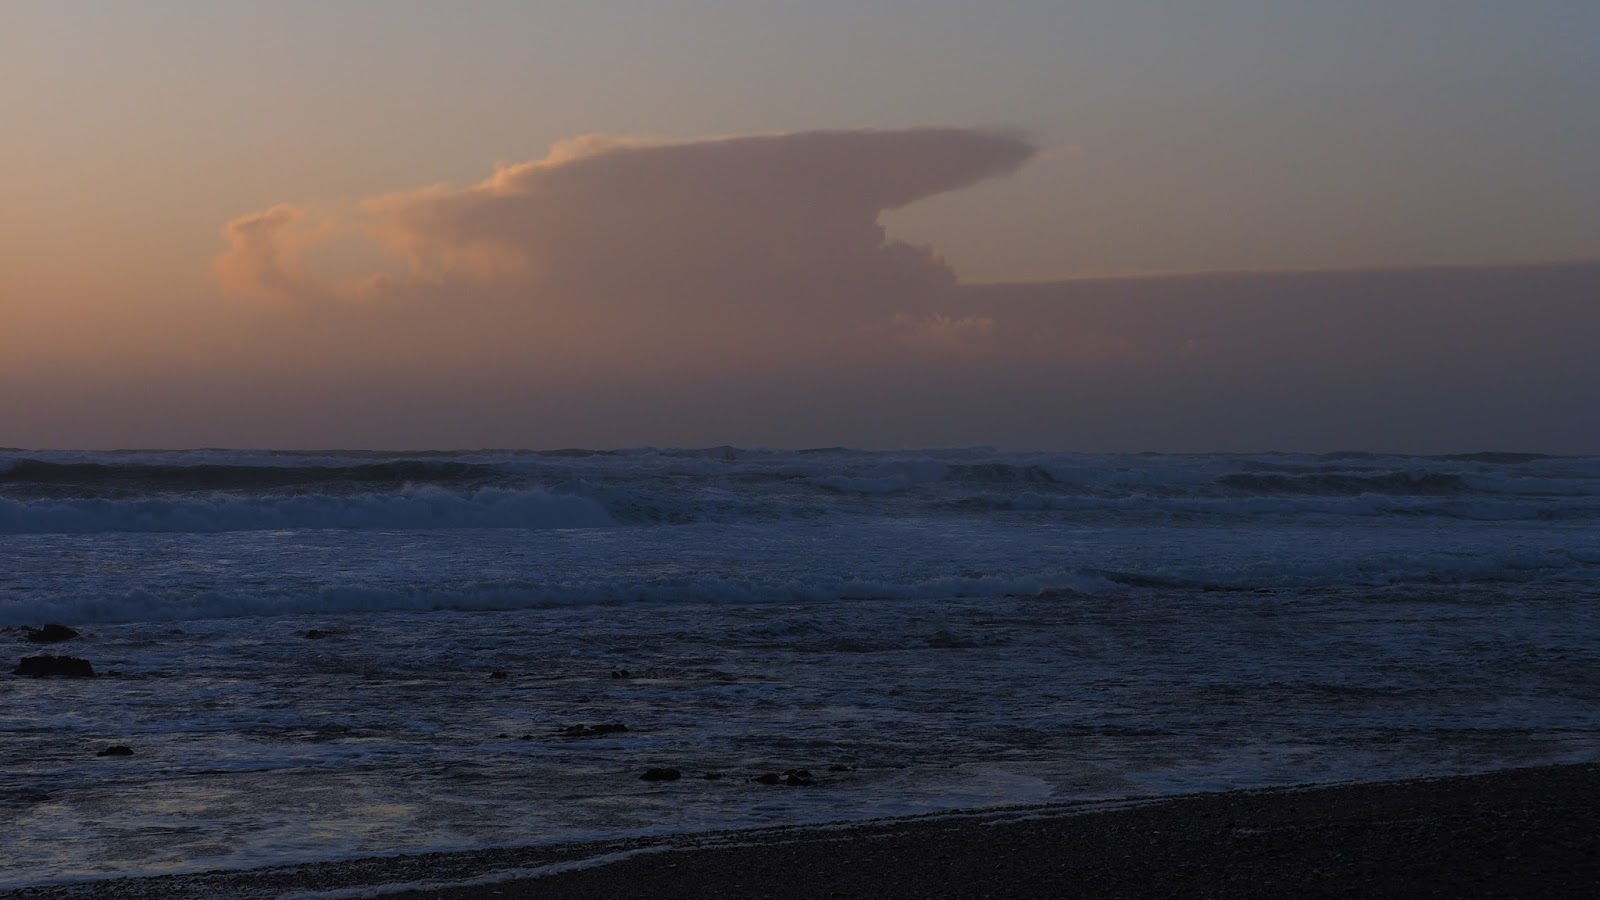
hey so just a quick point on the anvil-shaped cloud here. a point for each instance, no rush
(742, 289)
(763, 229)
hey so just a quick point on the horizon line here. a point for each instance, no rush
(1382, 269)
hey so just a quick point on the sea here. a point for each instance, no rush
(317, 656)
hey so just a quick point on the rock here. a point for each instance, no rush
(47, 666)
(661, 775)
(498, 675)
(621, 673)
(116, 750)
(51, 633)
(317, 634)
(593, 730)
(791, 777)
(840, 767)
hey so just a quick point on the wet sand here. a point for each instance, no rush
(1516, 833)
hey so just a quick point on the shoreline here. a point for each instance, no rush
(1513, 832)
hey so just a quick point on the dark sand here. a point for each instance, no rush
(1516, 833)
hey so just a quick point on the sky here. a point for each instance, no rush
(1216, 225)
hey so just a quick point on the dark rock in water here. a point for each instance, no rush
(791, 777)
(498, 675)
(526, 737)
(841, 767)
(54, 667)
(944, 640)
(50, 634)
(116, 750)
(621, 673)
(317, 634)
(661, 775)
(593, 730)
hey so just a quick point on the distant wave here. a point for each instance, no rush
(1413, 483)
(1497, 457)
(178, 605)
(114, 478)
(423, 508)
(1539, 570)
(1001, 473)
(212, 490)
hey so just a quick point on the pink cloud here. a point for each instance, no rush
(781, 224)
(743, 290)
(263, 256)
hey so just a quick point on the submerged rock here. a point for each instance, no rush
(51, 633)
(661, 775)
(116, 750)
(944, 640)
(48, 666)
(498, 675)
(790, 777)
(317, 634)
(593, 730)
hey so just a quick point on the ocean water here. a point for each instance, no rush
(300, 648)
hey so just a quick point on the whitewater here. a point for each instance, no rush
(330, 655)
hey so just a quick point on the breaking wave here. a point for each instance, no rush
(1346, 484)
(422, 508)
(219, 490)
